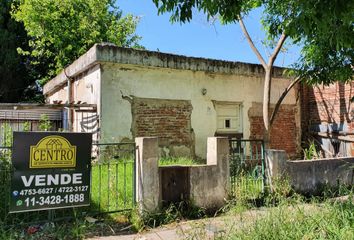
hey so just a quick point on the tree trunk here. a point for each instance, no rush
(266, 102)
(267, 78)
(266, 98)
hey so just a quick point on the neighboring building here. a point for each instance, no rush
(328, 117)
(28, 117)
(183, 100)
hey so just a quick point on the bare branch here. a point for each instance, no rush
(277, 49)
(249, 39)
(281, 98)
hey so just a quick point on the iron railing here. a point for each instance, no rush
(247, 168)
(113, 177)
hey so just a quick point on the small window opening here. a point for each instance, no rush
(227, 123)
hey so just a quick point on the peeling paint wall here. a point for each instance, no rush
(121, 82)
(85, 88)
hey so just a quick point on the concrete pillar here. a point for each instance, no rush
(147, 174)
(275, 163)
(218, 153)
(209, 185)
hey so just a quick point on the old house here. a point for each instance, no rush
(182, 100)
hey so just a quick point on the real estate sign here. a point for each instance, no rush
(50, 170)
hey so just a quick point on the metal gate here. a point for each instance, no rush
(112, 177)
(247, 168)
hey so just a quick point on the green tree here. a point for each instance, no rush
(324, 28)
(14, 74)
(44, 123)
(62, 30)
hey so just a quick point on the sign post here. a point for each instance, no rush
(51, 170)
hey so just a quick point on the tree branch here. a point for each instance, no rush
(277, 49)
(281, 98)
(249, 39)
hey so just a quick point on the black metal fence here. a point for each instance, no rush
(112, 185)
(247, 168)
(113, 177)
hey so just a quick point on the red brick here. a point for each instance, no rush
(171, 120)
(283, 133)
(327, 104)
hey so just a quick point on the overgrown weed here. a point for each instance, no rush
(76, 228)
(292, 216)
(174, 212)
(311, 221)
(71, 230)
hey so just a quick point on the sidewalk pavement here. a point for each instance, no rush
(208, 228)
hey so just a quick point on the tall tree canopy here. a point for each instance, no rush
(62, 30)
(14, 75)
(324, 28)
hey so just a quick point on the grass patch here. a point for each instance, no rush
(112, 186)
(325, 221)
(168, 161)
(77, 228)
(246, 187)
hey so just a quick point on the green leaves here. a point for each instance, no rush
(324, 28)
(14, 74)
(63, 30)
(228, 10)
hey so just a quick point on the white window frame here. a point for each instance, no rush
(224, 130)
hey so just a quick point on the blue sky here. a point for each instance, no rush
(199, 38)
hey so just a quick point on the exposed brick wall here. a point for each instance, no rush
(328, 105)
(284, 134)
(170, 120)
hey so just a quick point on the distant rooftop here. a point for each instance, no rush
(107, 52)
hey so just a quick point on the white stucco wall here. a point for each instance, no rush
(149, 82)
(60, 95)
(86, 88)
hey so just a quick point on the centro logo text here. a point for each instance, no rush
(53, 152)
